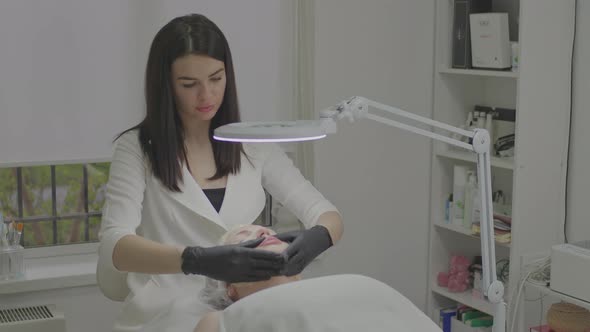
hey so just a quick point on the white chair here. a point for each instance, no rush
(112, 283)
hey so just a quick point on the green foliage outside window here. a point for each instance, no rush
(60, 209)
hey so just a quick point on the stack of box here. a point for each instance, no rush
(464, 319)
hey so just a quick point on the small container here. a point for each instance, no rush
(12, 265)
(514, 50)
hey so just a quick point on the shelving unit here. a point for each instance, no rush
(464, 298)
(476, 72)
(534, 180)
(497, 162)
(548, 291)
(466, 232)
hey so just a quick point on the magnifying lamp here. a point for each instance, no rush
(358, 108)
(260, 132)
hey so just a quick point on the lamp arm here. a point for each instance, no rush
(358, 107)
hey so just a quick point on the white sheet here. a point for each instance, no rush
(345, 303)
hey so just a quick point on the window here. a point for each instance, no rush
(58, 204)
(62, 204)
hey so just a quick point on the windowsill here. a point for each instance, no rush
(54, 272)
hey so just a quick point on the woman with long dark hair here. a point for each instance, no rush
(173, 190)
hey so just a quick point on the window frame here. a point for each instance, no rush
(53, 250)
(62, 250)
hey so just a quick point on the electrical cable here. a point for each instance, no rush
(542, 307)
(541, 272)
(567, 163)
(542, 311)
(502, 270)
(536, 266)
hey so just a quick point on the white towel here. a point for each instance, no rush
(344, 303)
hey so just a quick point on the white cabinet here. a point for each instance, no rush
(534, 180)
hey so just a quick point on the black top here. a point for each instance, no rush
(215, 196)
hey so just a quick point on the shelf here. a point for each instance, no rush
(564, 297)
(504, 163)
(466, 232)
(479, 72)
(465, 298)
(455, 93)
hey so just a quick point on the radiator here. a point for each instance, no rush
(45, 318)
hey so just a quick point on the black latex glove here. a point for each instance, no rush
(304, 247)
(233, 263)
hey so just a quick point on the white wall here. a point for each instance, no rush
(70, 80)
(71, 77)
(578, 184)
(72, 71)
(377, 176)
(578, 219)
(261, 36)
(85, 308)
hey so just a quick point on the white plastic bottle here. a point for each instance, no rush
(482, 120)
(459, 181)
(476, 120)
(470, 193)
(469, 123)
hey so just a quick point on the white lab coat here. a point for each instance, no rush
(137, 203)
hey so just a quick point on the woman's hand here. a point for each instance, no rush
(233, 263)
(304, 247)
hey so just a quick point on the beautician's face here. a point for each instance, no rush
(199, 86)
(251, 232)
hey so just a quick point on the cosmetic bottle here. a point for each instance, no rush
(459, 181)
(476, 119)
(469, 123)
(481, 123)
(448, 208)
(470, 193)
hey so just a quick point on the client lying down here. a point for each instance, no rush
(335, 303)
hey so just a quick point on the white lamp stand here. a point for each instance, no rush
(358, 108)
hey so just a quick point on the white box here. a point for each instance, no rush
(570, 268)
(490, 41)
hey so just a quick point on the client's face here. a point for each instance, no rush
(251, 232)
(239, 290)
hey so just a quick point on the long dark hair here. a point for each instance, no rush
(161, 133)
